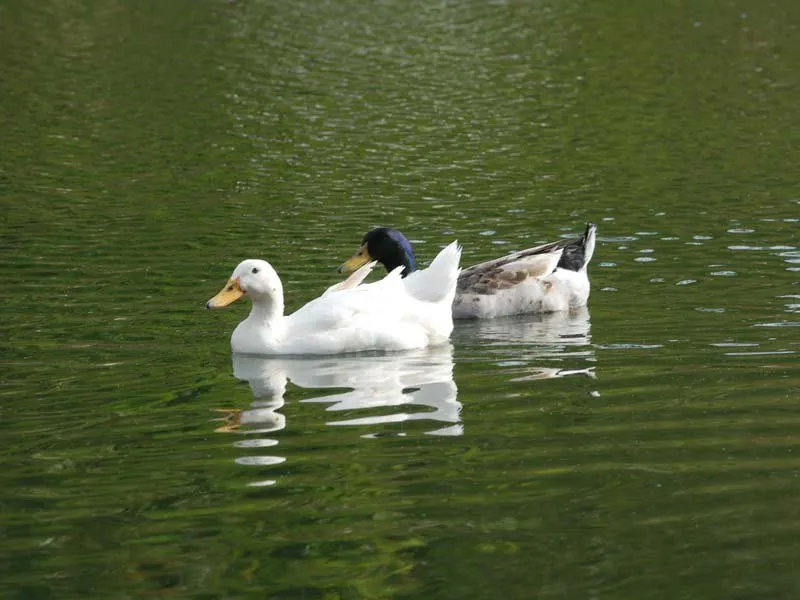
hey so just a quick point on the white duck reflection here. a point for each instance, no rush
(419, 384)
(514, 342)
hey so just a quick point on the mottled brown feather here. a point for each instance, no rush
(493, 276)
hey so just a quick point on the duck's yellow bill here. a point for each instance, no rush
(230, 293)
(359, 259)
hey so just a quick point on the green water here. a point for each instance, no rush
(644, 448)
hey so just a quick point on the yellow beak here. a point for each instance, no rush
(359, 259)
(230, 293)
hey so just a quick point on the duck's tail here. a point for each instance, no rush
(437, 283)
(577, 254)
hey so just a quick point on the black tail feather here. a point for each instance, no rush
(574, 256)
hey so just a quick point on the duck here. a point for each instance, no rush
(548, 278)
(350, 316)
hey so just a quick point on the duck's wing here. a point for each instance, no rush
(373, 316)
(341, 306)
(508, 271)
(503, 273)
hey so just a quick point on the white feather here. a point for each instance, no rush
(435, 283)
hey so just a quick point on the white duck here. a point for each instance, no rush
(548, 278)
(348, 317)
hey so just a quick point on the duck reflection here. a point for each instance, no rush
(416, 386)
(516, 342)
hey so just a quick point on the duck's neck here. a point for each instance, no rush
(267, 311)
(410, 265)
(402, 255)
(264, 329)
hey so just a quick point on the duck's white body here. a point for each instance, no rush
(531, 284)
(348, 317)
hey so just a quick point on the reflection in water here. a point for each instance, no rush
(420, 378)
(261, 417)
(404, 382)
(516, 342)
(409, 386)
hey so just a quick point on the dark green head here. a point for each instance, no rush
(388, 246)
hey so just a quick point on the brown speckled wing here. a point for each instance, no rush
(489, 281)
(505, 272)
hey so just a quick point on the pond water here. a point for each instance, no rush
(645, 447)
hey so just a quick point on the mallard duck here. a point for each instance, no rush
(547, 278)
(349, 316)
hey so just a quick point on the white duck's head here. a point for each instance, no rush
(252, 277)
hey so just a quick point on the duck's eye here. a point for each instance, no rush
(255, 270)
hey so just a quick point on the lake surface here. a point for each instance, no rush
(646, 447)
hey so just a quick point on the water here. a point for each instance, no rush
(644, 448)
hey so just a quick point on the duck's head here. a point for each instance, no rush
(388, 246)
(253, 277)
